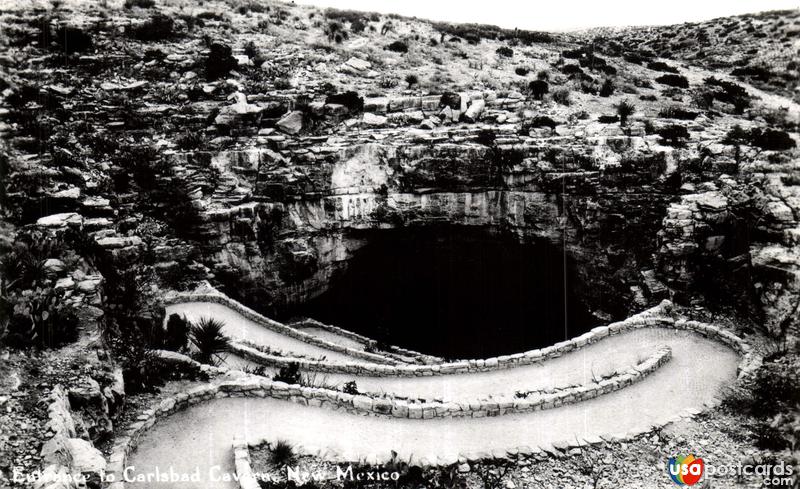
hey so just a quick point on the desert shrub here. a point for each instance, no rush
(608, 119)
(608, 70)
(538, 89)
(357, 26)
(673, 112)
(72, 39)
(661, 66)
(39, 318)
(728, 92)
(505, 51)
(282, 83)
(281, 453)
(139, 3)
(634, 58)
(774, 388)
(411, 79)
(672, 80)
(386, 28)
(156, 28)
(673, 135)
(398, 47)
(335, 32)
(177, 333)
(592, 62)
(189, 140)
(572, 53)
(521, 71)
(473, 33)
(289, 374)
(768, 139)
(562, 96)
(386, 81)
(486, 137)
(624, 110)
(760, 73)
(142, 370)
(543, 121)
(607, 89)
(771, 139)
(208, 340)
(220, 61)
(351, 388)
(350, 99)
(570, 70)
(450, 99)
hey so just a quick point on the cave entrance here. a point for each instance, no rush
(455, 292)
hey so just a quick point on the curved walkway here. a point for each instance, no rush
(239, 327)
(700, 367)
(612, 354)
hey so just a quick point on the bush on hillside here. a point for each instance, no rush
(678, 81)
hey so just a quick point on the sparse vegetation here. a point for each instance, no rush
(282, 453)
(673, 135)
(505, 52)
(208, 340)
(289, 374)
(538, 89)
(562, 96)
(220, 61)
(398, 47)
(678, 81)
(624, 110)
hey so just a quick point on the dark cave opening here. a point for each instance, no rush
(455, 292)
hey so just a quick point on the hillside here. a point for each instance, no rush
(151, 147)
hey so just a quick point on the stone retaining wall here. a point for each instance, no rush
(65, 456)
(365, 340)
(254, 386)
(241, 461)
(219, 298)
(655, 317)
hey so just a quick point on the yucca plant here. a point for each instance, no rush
(208, 340)
(281, 453)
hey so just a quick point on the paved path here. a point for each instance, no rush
(699, 368)
(239, 327)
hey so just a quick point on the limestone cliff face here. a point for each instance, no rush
(284, 222)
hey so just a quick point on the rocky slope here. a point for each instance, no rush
(260, 145)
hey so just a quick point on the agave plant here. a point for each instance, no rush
(208, 340)
(281, 453)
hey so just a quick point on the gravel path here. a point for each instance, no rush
(699, 368)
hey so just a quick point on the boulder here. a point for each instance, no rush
(358, 64)
(85, 457)
(57, 451)
(291, 123)
(54, 266)
(237, 112)
(59, 220)
(374, 120)
(474, 111)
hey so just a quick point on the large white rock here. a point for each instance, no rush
(59, 220)
(474, 111)
(85, 457)
(291, 123)
(358, 64)
(374, 120)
